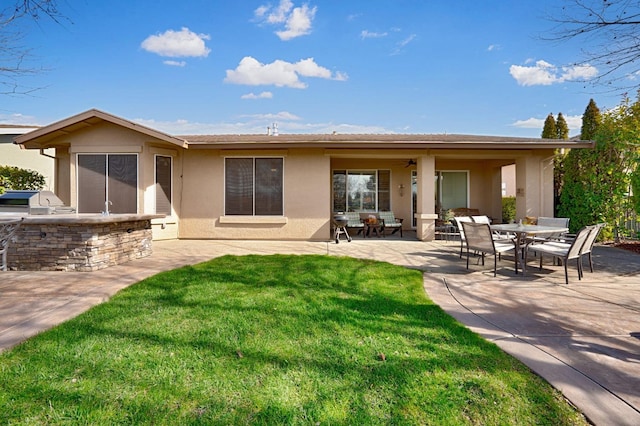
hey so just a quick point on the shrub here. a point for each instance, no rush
(16, 178)
(508, 209)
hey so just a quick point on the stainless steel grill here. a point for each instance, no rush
(32, 202)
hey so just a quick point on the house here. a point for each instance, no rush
(287, 187)
(12, 155)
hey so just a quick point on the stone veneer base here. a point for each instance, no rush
(85, 246)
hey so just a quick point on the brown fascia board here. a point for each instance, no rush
(44, 134)
(386, 141)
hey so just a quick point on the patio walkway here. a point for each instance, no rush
(583, 338)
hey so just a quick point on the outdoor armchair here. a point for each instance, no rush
(587, 247)
(561, 222)
(354, 222)
(459, 220)
(479, 239)
(391, 222)
(563, 251)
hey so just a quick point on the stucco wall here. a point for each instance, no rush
(12, 155)
(307, 185)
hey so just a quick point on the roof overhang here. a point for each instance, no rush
(42, 137)
(386, 141)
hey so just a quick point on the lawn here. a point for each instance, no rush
(272, 340)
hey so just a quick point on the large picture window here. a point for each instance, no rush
(163, 187)
(254, 186)
(107, 179)
(361, 190)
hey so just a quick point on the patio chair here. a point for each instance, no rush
(562, 222)
(459, 220)
(354, 222)
(587, 247)
(390, 221)
(479, 239)
(562, 251)
(7, 229)
(496, 235)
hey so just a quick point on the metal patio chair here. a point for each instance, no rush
(7, 229)
(479, 239)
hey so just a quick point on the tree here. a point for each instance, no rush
(549, 131)
(14, 56)
(590, 121)
(608, 31)
(562, 129)
(597, 181)
(556, 129)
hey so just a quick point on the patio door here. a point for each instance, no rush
(109, 178)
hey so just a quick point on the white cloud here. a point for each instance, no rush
(493, 47)
(401, 45)
(574, 122)
(281, 116)
(364, 34)
(257, 124)
(19, 119)
(545, 74)
(174, 44)
(278, 73)
(175, 63)
(297, 21)
(263, 95)
(529, 123)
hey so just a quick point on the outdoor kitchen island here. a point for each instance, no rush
(78, 242)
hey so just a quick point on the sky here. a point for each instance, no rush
(320, 66)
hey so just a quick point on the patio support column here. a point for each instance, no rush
(534, 186)
(426, 209)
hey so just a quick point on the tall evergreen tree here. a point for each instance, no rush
(590, 121)
(596, 181)
(562, 129)
(549, 130)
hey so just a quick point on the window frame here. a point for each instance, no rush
(107, 177)
(155, 183)
(281, 212)
(377, 191)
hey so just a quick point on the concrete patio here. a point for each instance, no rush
(583, 338)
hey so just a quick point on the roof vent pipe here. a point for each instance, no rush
(275, 129)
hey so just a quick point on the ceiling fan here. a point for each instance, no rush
(410, 163)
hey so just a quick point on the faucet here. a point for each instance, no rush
(106, 208)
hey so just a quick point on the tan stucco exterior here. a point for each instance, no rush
(199, 173)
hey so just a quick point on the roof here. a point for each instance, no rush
(38, 138)
(15, 129)
(394, 141)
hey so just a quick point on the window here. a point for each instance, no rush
(361, 190)
(451, 189)
(254, 186)
(111, 178)
(163, 186)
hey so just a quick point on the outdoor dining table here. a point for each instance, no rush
(521, 232)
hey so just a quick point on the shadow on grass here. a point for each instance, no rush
(280, 339)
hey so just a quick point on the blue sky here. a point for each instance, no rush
(194, 67)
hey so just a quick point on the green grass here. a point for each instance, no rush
(272, 340)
